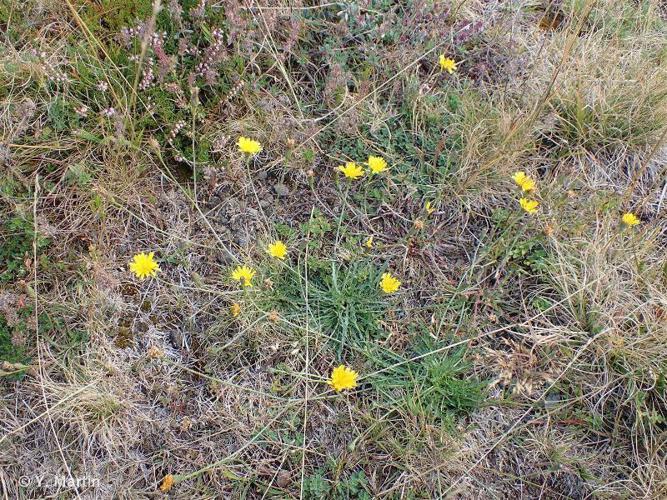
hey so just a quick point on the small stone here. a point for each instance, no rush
(177, 339)
(552, 399)
(284, 478)
(281, 189)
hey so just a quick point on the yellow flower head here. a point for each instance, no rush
(249, 146)
(389, 284)
(143, 265)
(377, 164)
(343, 378)
(630, 219)
(429, 208)
(244, 274)
(523, 181)
(235, 309)
(529, 206)
(447, 64)
(351, 170)
(277, 249)
(369, 242)
(167, 483)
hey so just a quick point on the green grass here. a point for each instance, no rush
(343, 301)
(440, 387)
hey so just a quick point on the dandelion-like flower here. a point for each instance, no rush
(154, 352)
(143, 265)
(377, 164)
(167, 483)
(369, 242)
(429, 208)
(389, 284)
(523, 181)
(447, 64)
(630, 219)
(235, 309)
(529, 206)
(244, 274)
(249, 146)
(343, 378)
(351, 170)
(277, 249)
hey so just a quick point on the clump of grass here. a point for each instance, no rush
(619, 20)
(624, 106)
(343, 301)
(110, 14)
(610, 90)
(617, 309)
(439, 386)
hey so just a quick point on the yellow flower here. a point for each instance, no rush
(273, 316)
(351, 170)
(235, 309)
(389, 284)
(167, 483)
(630, 219)
(244, 274)
(250, 146)
(369, 243)
(529, 206)
(343, 378)
(154, 352)
(277, 249)
(447, 64)
(143, 265)
(377, 164)
(523, 181)
(429, 209)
